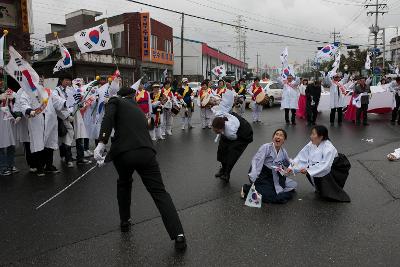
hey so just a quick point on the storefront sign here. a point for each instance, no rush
(162, 57)
(8, 13)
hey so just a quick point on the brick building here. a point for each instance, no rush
(142, 47)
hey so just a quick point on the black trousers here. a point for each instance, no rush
(28, 155)
(229, 153)
(364, 111)
(333, 115)
(145, 163)
(312, 112)
(86, 144)
(396, 110)
(80, 149)
(293, 119)
(66, 152)
(43, 159)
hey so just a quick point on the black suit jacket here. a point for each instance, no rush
(130, 125)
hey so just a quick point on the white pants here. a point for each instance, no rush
(257, 109)
(240, 110)
(156, 133)
(166, 121)
(186, 120)
(205, 117)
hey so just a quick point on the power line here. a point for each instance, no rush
(230, 24)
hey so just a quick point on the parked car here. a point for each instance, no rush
(195, 86)
(274, 91)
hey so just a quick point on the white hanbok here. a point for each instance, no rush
(317, 160)
(7, 131)
(43, 128)
(290, 94)
(73, 99)
(64, 94)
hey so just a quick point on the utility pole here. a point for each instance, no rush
(336, 35)
(240, 38)
(183, 17)
(379, 9)
(257, 70)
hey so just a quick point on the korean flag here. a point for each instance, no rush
(94, 39)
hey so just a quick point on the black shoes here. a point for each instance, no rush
(225, 177)
(219, 173)
(84, 162)
(180, 242)
(51, 169)
(125, 226)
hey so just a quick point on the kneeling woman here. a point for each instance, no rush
(326, 170)
(266, 167)
(235, 135)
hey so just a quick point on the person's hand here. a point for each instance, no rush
(98, 153)
(70, 118)
(4, 109)
(289, 171)
(32, 114)
(304, 171)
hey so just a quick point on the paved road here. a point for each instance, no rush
(80, 228)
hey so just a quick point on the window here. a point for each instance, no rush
(153, 42)
(116, 40)
(275, 86)
(168, 46)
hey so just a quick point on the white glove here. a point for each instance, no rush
(32, 114)
(70, 119)
(98, 153)
(17, 119)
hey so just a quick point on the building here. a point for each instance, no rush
(15, 16)
(142, 47)
(395, 51)
(199, 59)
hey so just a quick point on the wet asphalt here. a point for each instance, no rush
(81, 227)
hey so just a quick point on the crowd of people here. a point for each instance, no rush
(75, 112)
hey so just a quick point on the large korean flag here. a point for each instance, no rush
(94, 39)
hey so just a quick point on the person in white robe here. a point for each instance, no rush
(22, 132)
(395, 155)
(7, 133)
(326, 170)
(290, 97)
(43, 128)
(63, 91)
(394, 87)
(338, 93)
(235, 135)
(267, 171)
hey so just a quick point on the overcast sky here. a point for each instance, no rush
(311, 19)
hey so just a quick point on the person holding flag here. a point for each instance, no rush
(290, 97)
(337, 91)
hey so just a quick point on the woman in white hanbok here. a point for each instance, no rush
(326, 170)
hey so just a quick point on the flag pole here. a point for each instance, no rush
(5, 85)
(112, 49)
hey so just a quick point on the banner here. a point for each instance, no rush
(94, 39)
(145, 32)
(66, 60)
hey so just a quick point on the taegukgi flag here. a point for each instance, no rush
(66, 60)
(219, 71)
(94, 39)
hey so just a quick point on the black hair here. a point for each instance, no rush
(166, 82)
(205, 82)
(256, 79)
(219, 122)
(280, 130)
(125, 91)
(397, 79)
(221, 81)
(321, 131)
(242, 80)
(228, 81)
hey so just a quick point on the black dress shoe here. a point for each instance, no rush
(225, 177)
(219, 173)
(366, 124)
(180, 242)
(125, 226)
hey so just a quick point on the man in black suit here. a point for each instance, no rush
(363, 87)
(132, 150)
(313, 94)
